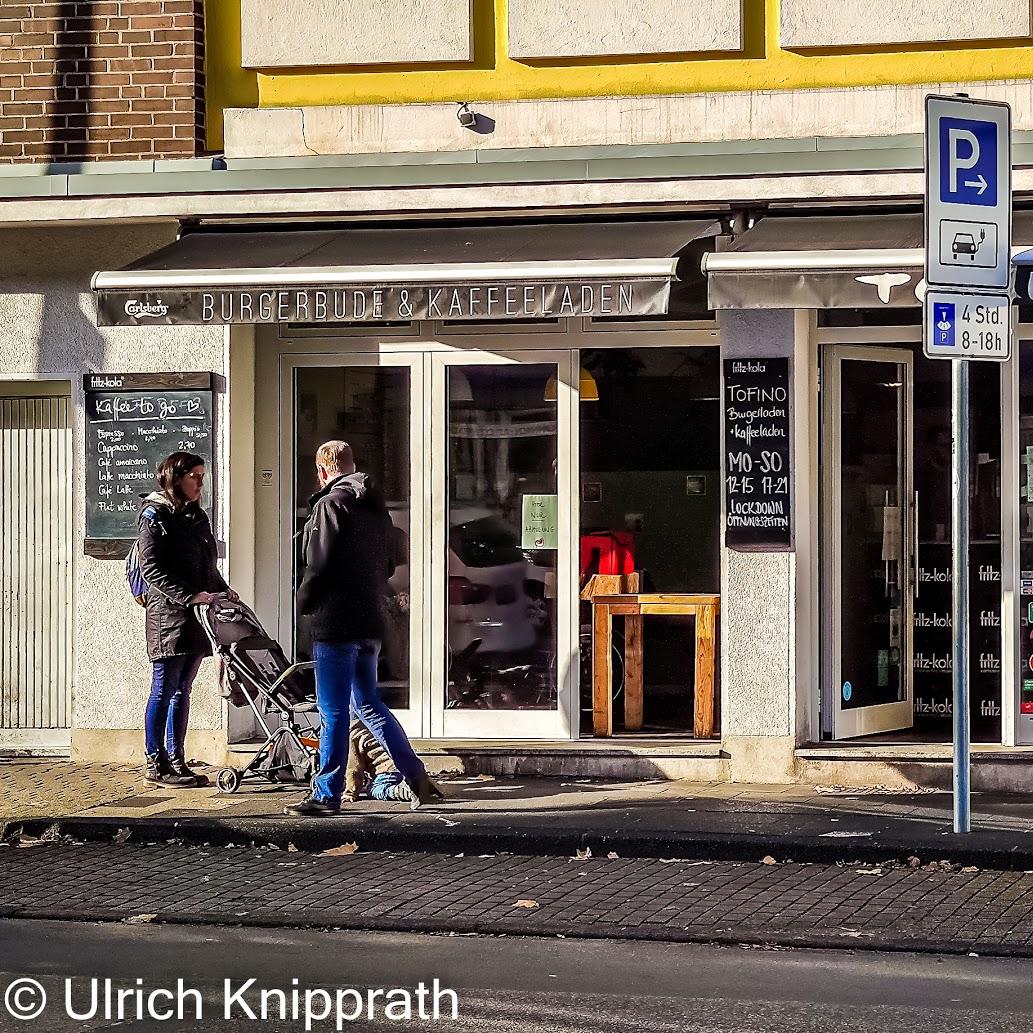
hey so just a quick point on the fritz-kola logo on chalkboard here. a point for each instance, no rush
(146, 308)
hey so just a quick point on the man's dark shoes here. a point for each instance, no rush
(310, 807)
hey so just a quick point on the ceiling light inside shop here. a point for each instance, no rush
(586, 385)
(459, 389)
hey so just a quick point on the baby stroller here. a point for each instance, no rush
(257, 674)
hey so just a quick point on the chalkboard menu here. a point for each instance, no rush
(758, 474)
(133, 421)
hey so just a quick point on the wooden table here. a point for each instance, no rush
(633, 608)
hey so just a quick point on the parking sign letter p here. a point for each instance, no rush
(955, 137)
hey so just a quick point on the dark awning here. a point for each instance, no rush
(844, 262)
(506, 272)
(848, 261)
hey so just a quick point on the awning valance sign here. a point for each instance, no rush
(819, 262)
(503, 273)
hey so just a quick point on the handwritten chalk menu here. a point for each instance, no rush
(133, 421)
(758, 501)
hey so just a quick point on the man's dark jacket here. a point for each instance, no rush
(178, 557)
(348, 560)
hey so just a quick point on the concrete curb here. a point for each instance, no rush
(985, 849)
(788, 938)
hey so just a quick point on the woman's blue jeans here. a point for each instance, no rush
(346, 682)
(168, 708)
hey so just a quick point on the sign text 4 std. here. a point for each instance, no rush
(961, 325)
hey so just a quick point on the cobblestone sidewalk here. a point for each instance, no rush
(877, 907)
(48, 788)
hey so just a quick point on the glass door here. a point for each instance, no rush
(870, 540)
(375, 403)
(503, 617)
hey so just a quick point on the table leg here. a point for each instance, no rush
(602, 670)
(632, 673)
(704, 702)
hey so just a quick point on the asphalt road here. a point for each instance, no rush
(511, 984)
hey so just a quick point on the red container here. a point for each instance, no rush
(607, 552)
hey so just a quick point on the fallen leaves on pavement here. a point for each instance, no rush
(340, 851)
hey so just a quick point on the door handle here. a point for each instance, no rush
(917, 564)
(888, 561)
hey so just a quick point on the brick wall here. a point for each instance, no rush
(101, 79)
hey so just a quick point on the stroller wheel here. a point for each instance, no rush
(228, 780)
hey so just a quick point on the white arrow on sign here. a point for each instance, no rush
(979, 181)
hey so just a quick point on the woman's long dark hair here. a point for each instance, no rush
(171, 472)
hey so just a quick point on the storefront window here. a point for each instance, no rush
(651, 502)
(1025, 353)
(933, 652)
(502, 537)
(367, 406)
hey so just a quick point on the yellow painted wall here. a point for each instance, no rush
(492, 75)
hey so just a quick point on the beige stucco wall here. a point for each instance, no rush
(717, 118)
(818, 23)
(48, 325)
(303, 33)
(584, 28)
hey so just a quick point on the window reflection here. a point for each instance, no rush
(368, 407)
(501, 555)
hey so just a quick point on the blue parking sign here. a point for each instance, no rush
(968, 186)
(944, 320)
(968, 161)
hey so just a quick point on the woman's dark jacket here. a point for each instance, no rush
(178, 557)
(348, 560)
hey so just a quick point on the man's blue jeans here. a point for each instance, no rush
(346, 681)
(168, 708)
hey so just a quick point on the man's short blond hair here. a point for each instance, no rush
(336, 456)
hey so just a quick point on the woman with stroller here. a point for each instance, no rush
(177, 555)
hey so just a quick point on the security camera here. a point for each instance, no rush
(467, 118)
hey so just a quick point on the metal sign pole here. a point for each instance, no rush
(968, 212)
(959, 545)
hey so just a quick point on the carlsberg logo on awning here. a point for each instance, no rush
(138, 309)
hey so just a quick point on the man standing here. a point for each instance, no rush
(348, 560)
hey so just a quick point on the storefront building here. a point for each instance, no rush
(565, 344)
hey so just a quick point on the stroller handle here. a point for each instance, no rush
(301, 665)
(201, 610)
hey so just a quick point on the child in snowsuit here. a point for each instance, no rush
(371, 768)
